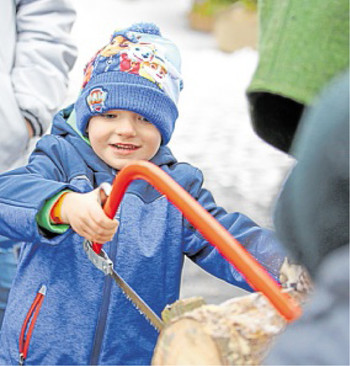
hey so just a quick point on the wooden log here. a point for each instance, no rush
(236, 332)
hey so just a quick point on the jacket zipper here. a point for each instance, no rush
(106, 297)
(30, 319)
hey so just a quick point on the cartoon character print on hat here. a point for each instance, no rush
(104, 57)
(96, 99)
(155, 69)
(133, 53)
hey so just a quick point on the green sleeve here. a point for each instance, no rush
(43, 216)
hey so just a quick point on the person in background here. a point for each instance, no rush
(126, 111)
(302, 46)
(36, 56)
(303, 52)
(312, 221)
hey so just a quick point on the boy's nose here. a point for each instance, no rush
(125, 127)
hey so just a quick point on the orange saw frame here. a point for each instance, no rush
(208, 226)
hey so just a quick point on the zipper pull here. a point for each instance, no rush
(42, 290)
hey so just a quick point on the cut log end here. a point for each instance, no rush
(193, 345)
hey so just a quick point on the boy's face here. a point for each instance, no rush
(118, 137)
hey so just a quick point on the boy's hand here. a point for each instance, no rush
(84, 213)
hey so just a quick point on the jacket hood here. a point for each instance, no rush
(64, 124)
(312, 212)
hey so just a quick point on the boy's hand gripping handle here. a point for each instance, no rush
(209, 227)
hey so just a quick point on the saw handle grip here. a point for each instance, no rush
(209, 227)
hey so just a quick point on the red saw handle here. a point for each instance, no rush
(209, 227)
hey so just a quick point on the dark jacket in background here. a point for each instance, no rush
(312, 220)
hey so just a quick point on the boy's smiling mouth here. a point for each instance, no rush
(122, 148)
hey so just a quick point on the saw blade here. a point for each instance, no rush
(136, 300)
(102, 262)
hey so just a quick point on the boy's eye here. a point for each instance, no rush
(109, 115)
(143, 119)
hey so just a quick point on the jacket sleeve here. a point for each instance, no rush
(45, 54)
(24, 191)
(261, 243)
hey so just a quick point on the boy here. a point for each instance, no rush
(62, 310)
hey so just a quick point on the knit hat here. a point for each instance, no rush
(138, 71)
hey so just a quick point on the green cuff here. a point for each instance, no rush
(43, 216)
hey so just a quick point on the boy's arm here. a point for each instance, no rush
(24, 191)
(261, 243)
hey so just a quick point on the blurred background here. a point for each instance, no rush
(217, 40)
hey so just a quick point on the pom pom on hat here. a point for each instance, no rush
(148, 28)
(138, 70)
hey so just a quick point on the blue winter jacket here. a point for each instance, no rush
(84, 317)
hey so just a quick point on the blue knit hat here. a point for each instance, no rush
(138, 71)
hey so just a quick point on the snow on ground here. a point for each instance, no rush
(213, 131)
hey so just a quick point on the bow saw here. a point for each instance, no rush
(208, 226)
